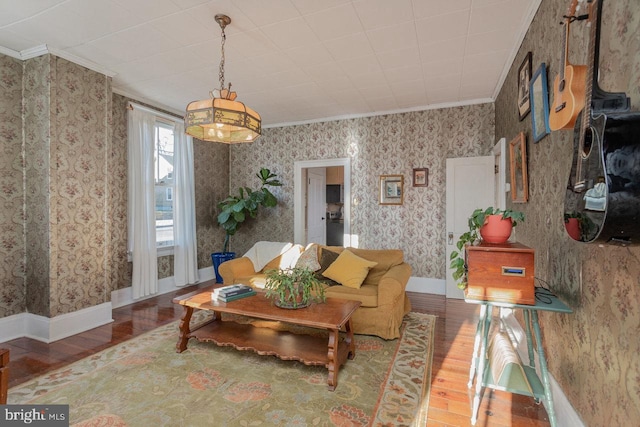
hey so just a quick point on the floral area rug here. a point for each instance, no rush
(144, 382)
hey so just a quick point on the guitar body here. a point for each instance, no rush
(568, 97)
(607, 205)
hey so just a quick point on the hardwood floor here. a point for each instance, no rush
(449, 403)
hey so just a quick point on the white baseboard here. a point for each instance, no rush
(48, 330)
(426, 285)
(566, 415)
(124, 296)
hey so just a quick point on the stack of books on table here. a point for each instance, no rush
(232, 292)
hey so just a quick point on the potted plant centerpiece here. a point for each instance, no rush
(234, 210)
(492, 225)
(294, 287)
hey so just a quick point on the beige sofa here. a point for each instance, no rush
(382, 294)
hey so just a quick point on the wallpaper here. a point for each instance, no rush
(593, 352)
(389, 144)
(12, 245)
(37, 107)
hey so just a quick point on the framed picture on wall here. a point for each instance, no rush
(524, 76)
(420, 177)
(518, 164)
(539, 98)
(391, 189)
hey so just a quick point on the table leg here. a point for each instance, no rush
(476, 345)
(481, 365)
(527, 326)
(181, 345)
(334, 358)
(543, 370)
(351, 344)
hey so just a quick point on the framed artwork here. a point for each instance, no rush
(391, 189)
(518, 163)
(524, 76)
(420, 177)
(539, 99)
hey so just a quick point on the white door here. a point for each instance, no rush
(316, 206)
(470, 185)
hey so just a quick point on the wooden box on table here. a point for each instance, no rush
(500, 272)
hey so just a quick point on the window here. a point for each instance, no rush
(164, 183)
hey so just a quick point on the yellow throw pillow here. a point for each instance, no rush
(349, 269)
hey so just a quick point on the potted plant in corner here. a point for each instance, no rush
(234, 210)
(294, 288)
(492, 225)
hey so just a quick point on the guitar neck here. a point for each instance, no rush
(598, 99)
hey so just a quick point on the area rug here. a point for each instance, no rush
(144, 382)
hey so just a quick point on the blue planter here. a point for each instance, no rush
(218, 258)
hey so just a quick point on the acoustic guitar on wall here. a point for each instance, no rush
(603, 191)
(569, 84)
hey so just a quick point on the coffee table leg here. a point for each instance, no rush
(351, 344)
(181, 345)
(334, 360)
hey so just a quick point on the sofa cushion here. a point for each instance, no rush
(349, 269)
(309, 258)
(367, 294)
(327, 257)
(385, 259)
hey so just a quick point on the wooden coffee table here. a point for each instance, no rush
(333, 316)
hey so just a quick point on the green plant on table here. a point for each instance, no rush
(294, 287)
(234, 210)
(476, 221)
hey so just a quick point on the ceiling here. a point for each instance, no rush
(293, 61)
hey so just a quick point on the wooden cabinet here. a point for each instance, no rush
(500, 272)
(335, 175)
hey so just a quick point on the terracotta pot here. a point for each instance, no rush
(573, 228)
(496, 229)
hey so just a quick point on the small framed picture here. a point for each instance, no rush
(391, 189)
(518, 163)
(539, 96)
(420, 177)
(524, 76)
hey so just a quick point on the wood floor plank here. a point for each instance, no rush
(449, 403)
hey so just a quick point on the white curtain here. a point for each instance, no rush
(185, 255)
(141, 203)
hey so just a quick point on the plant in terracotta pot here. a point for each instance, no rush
(492, 225)
(294, 287)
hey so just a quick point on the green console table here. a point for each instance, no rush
(540, 388)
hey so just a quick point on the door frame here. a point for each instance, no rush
(298, 196)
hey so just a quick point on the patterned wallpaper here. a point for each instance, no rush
(37, 136)
(12, 245)
(593, 353)
(390, 144)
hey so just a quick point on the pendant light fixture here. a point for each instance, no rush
(221, 118)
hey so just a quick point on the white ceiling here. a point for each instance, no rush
(291, 60)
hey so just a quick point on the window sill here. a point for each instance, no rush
(160, 252)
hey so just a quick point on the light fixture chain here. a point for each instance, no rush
(221, 72)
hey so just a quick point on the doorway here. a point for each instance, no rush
(300, 197)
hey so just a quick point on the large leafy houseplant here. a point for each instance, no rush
(234, 210)
(476, 222)
(294, 287)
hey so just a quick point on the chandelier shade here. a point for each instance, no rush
(221, 118)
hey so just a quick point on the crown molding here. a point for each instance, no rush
(384, 113)
(43, 49)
